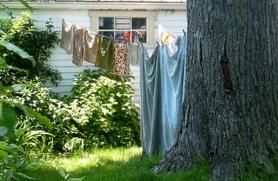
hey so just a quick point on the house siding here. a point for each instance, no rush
(172, 21)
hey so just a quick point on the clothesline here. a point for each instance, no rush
(95, 48)
(162, 78)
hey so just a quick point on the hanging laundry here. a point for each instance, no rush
(78, 46)
(120, 60)
(68, 30)
(134, 54)
(105, 54)
(172, 76)
(162, 97)
(91, 43)
(150, 122)
(96, 46)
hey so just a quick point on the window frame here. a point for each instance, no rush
(130, 29)
(149, 15)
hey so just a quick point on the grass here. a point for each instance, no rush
(121, 164)
(125, 164)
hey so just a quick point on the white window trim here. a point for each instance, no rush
(149, 15)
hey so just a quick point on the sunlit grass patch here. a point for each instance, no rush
(111, 164)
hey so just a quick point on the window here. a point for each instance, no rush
(124, 29)
(125, 26)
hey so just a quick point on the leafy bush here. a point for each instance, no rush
(99, 113)
(13, 158)
(38, 43)
(34, 95)
(102, 106)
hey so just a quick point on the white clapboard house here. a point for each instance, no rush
(151, 15)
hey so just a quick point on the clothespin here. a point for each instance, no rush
(157, 43)
(139, 42)
(183, 31)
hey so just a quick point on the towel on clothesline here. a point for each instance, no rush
(78, 46)
(134, 54)
(90, 47)
(68, 30)
(105, 54)
(98, 49)
(162, 85)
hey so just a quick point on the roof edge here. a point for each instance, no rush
(100, 5)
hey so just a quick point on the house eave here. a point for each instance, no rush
(100, 5)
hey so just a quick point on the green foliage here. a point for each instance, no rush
(99, 113)
(41, 102)
(12, 156)
(38, 43)
(18, 51)
(102, 106)
(12, 161)
(8, 119)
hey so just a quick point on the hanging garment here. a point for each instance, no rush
(172, 76)
(96, 46)
(105, 54)
(68, 30)
(162, 97)
(78, 46)
(90, 47)
(150, 122)
(120, 60)
(134, 54)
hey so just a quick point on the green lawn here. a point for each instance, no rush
(111, 164)
(124, 164)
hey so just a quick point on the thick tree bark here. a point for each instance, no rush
(231, 111)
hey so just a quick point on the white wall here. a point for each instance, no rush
(172, 21)
(60, 60)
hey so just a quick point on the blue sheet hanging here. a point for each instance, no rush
(162, 96)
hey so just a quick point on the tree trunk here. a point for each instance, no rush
(231, 110)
